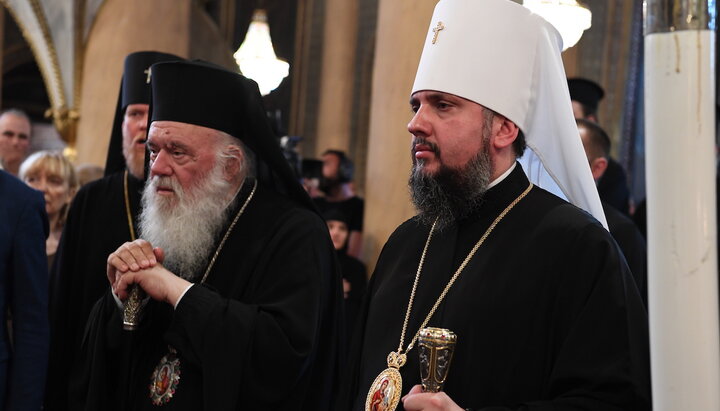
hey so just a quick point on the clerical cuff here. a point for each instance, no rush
(182, 295)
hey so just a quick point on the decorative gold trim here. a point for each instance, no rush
(64, 118)
(79, 57)
(33, 46)
(47, 37)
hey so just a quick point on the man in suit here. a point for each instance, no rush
(24, 294)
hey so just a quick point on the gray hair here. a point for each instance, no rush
(17, 113)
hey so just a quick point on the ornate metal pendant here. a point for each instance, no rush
(165, 378)
(384, 393)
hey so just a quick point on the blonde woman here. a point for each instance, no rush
(53, 175)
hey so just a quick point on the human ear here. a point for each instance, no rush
(598, 167)
(234, 163)
(504, 132)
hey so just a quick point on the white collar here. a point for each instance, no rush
(502, 177)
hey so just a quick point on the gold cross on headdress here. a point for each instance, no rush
(147, 71)
(436, 30)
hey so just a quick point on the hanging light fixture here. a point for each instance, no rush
(569, 17)
(256, 56)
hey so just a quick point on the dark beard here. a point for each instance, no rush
(450, 194)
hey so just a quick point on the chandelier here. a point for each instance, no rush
(256, 56)
(569, 17)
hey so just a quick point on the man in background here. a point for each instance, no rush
(612, 187)
(631, 241)
(14, 139)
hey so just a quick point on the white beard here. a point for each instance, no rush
(187, 225)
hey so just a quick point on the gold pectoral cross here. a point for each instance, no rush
(436, 30)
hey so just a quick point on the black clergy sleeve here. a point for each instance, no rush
(603, 363)
(225, 337)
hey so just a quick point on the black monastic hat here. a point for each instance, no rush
(587, 92)
(334, 214)
(134, 89)
(207, 95)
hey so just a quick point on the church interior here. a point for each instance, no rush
(351, 65)
(350, 68)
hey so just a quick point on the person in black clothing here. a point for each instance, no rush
(244, 303)
(336, 183)
(353, 271)
(612, 186)
(545, 310)
(102, 216)
(622, 228)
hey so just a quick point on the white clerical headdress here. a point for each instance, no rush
(502, 56)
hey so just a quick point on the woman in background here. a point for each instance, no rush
(53, 175)
(353, 271)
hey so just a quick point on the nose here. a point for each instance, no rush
(160, 166)
(418, 125)
(143, 122)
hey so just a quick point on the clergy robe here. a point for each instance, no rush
(260, 334)
(631, 243)
(97, 225)
(546, 313)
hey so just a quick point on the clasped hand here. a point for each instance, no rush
(138, 262)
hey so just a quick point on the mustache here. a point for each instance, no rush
(166, 181)
(423, 141)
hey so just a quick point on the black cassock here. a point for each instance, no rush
(546, 313)
(97, 225)
(631, 243)
(262, 333)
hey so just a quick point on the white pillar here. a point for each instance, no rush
(682, 237)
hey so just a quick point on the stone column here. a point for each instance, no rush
(125, 26)
(682, 226)
(337, 76)
(122, 27)
(402, 26)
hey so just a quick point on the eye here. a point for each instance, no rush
(56, 181)
(414, 108)
(443, 105)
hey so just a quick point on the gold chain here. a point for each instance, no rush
(227, 233)
(453, 278)
(127, 207)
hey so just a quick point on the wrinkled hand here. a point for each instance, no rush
(132, 256)
(138, 262)
(417, 400)
(159, 283)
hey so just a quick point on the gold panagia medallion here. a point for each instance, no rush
(384, 394)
